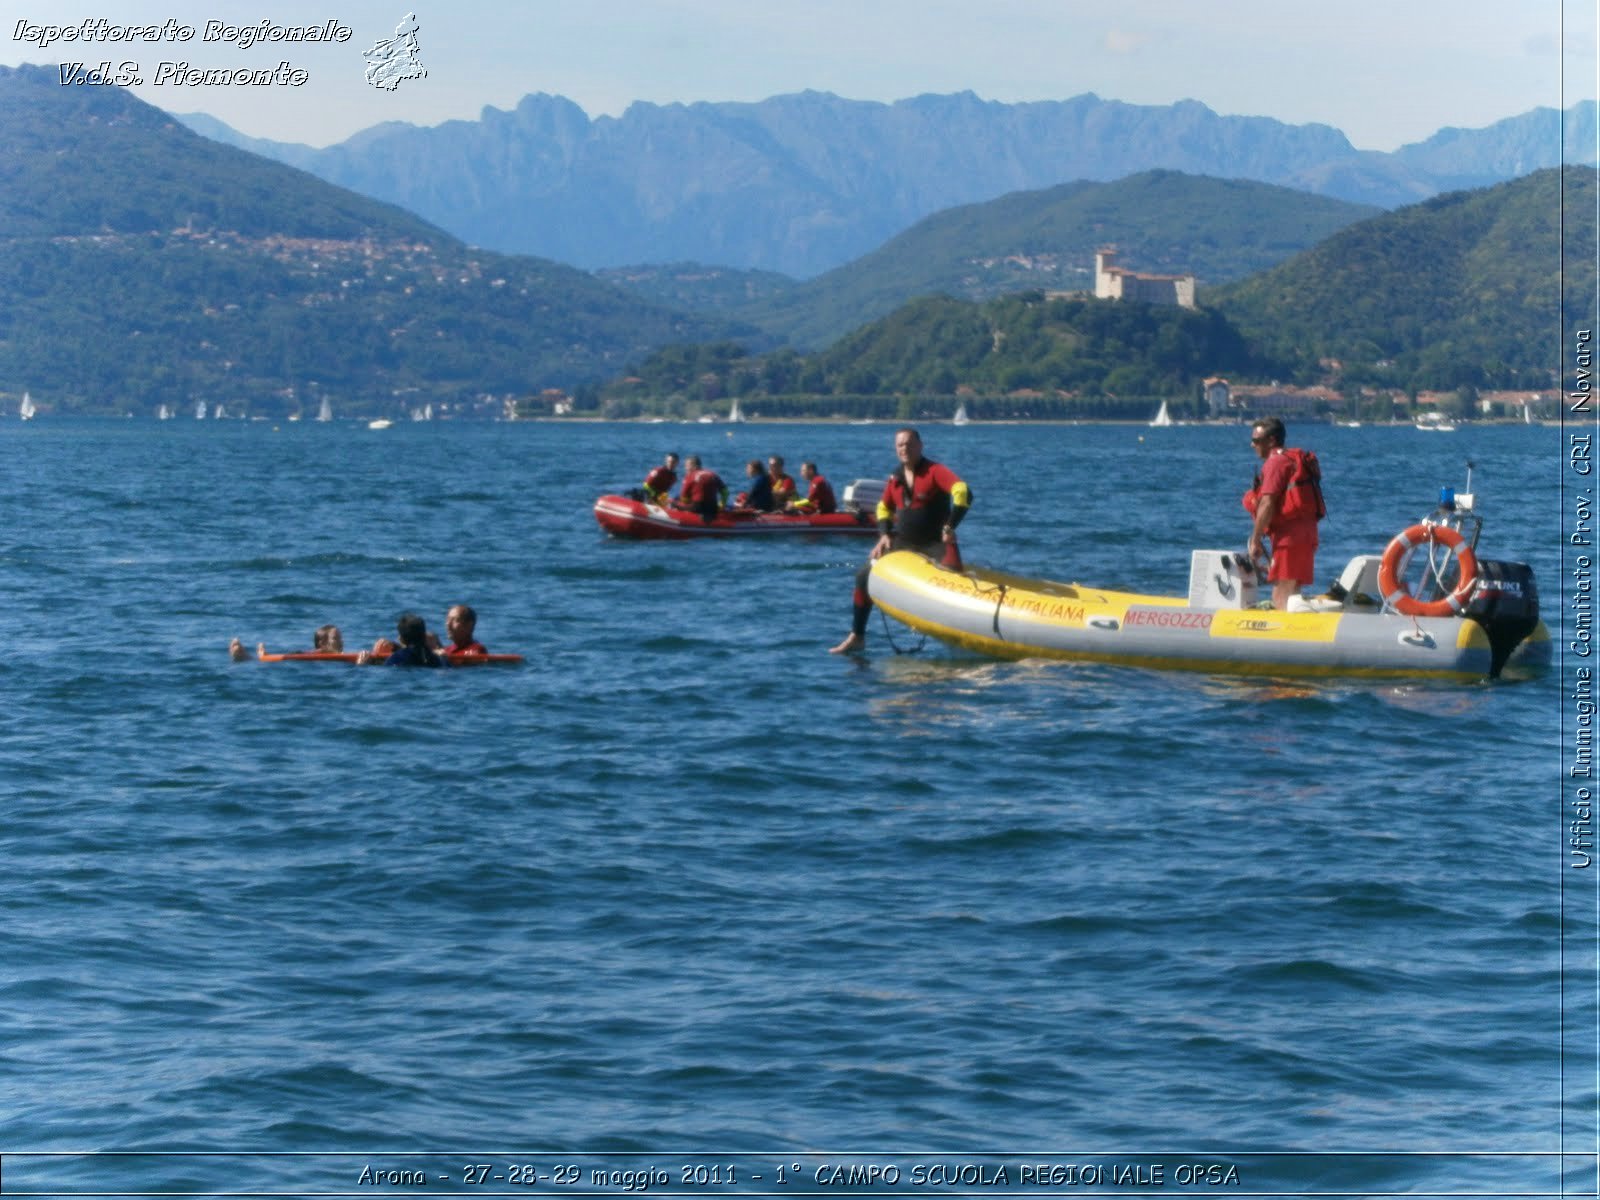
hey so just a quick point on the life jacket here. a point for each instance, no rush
(704, 489)
(660, 480)
(820, 495)
(1303, 497)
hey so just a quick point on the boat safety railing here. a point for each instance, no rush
(1457, 511)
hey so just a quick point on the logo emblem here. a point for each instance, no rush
(392, 60)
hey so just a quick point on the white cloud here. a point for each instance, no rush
(1123, 41)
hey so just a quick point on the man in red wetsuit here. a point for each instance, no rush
(819, 497)
(1286, 506)
(702, 492)
(922, 504)
(659, 482)
(459, 626)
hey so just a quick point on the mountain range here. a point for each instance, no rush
(142, 264)
(803, 183)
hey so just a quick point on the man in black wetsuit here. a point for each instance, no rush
(922, 504)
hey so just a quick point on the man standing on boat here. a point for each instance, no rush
(922, 504)
(1286, 503)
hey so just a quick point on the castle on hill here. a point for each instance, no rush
(1112, 282)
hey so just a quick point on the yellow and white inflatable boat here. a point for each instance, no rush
(1360, 628)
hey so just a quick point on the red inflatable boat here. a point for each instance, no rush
(625, 517)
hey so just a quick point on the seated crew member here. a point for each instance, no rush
(702, 492)
(819, 495)
(413, 650)
(460, 624)
(1285, 505)
(782, 485)
(922, 504)
(659, 482)
(327, 639)
(759, 497)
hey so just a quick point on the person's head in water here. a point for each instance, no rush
(460, 623)
(328, 639)
(412, 631)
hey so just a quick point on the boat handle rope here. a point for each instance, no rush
(999, 590)
(922, 638)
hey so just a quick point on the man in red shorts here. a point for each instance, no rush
(1286, 503)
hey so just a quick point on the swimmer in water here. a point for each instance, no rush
(413, 650)
(326, 640)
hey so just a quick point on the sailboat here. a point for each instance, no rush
(325, 413)
(961, 417)
(200, 411)
(733, 413)
(163, 413)
(26, 409)
(1163, 418)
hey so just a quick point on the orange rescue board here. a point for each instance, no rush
(460, 660)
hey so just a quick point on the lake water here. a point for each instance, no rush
(685, 889)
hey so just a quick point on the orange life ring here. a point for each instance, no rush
(1395, 593)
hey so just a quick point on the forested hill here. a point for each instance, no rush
(1159, 221)
(1022, 355)
(141, 264)
(1459, 292)
(1462, 290)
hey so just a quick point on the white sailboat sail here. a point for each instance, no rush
(26, 409)
(325, 413)
(734, 414)
(961, 417)
(1162, 418)
(200, 411)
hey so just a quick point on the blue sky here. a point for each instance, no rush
(1386, 73)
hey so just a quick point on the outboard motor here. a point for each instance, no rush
(861, 495)
(1505, 602)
